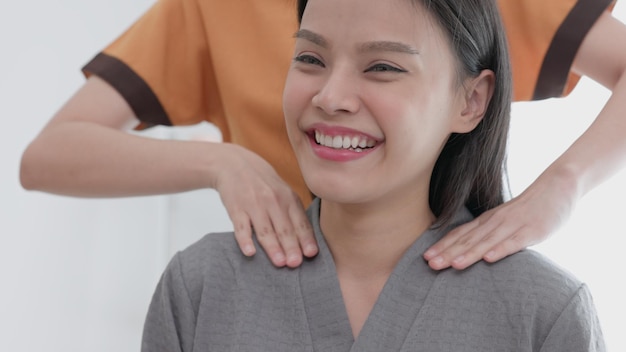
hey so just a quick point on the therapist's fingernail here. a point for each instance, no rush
(310, 249)
(293, 259)
(459, 260)
(279, 259)
(248, 250)
(491, 255)
(437, 261)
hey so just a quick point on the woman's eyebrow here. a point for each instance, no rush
(365, 47)
(388, 46)
(312, 37)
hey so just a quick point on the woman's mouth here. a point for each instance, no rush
(347, 142)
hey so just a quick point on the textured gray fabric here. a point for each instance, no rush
(212, 298)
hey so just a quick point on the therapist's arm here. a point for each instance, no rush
(547, 203)
(86, 151)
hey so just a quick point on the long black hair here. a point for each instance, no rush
(471, 169)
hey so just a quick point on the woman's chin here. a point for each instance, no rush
(339, 195)
(337, 186)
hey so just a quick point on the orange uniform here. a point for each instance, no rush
(225, 62)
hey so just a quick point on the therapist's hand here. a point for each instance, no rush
(256, 198)
(521, 222)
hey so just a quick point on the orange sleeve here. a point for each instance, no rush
(221, 61)
(544, 37)
(162, 66)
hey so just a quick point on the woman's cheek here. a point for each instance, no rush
(296, 96)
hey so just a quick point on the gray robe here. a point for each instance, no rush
(212, 298)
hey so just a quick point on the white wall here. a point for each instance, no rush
(77, 274)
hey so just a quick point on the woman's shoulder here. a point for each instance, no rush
(530, 265)
(531, 277)
(221, 244)
(218, 252)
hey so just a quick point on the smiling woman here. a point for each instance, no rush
(399, 122)
(375, 83)
(98, 260)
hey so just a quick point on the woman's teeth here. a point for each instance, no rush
(355, 143)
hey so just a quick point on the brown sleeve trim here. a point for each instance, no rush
(560, 56)
(133, 88)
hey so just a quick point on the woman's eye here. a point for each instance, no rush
(384, 68)
(309, 59)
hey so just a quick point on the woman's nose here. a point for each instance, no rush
(338, 94)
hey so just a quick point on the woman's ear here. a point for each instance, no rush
(478, 93)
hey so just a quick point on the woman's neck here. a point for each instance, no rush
(368, 240)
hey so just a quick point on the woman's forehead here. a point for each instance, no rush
(371, 21)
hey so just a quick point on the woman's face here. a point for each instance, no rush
(370, 99)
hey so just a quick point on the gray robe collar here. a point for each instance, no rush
(395, 310)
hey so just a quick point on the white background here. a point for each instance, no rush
(78, 274)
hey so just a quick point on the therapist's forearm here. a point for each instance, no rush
(89, 160)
